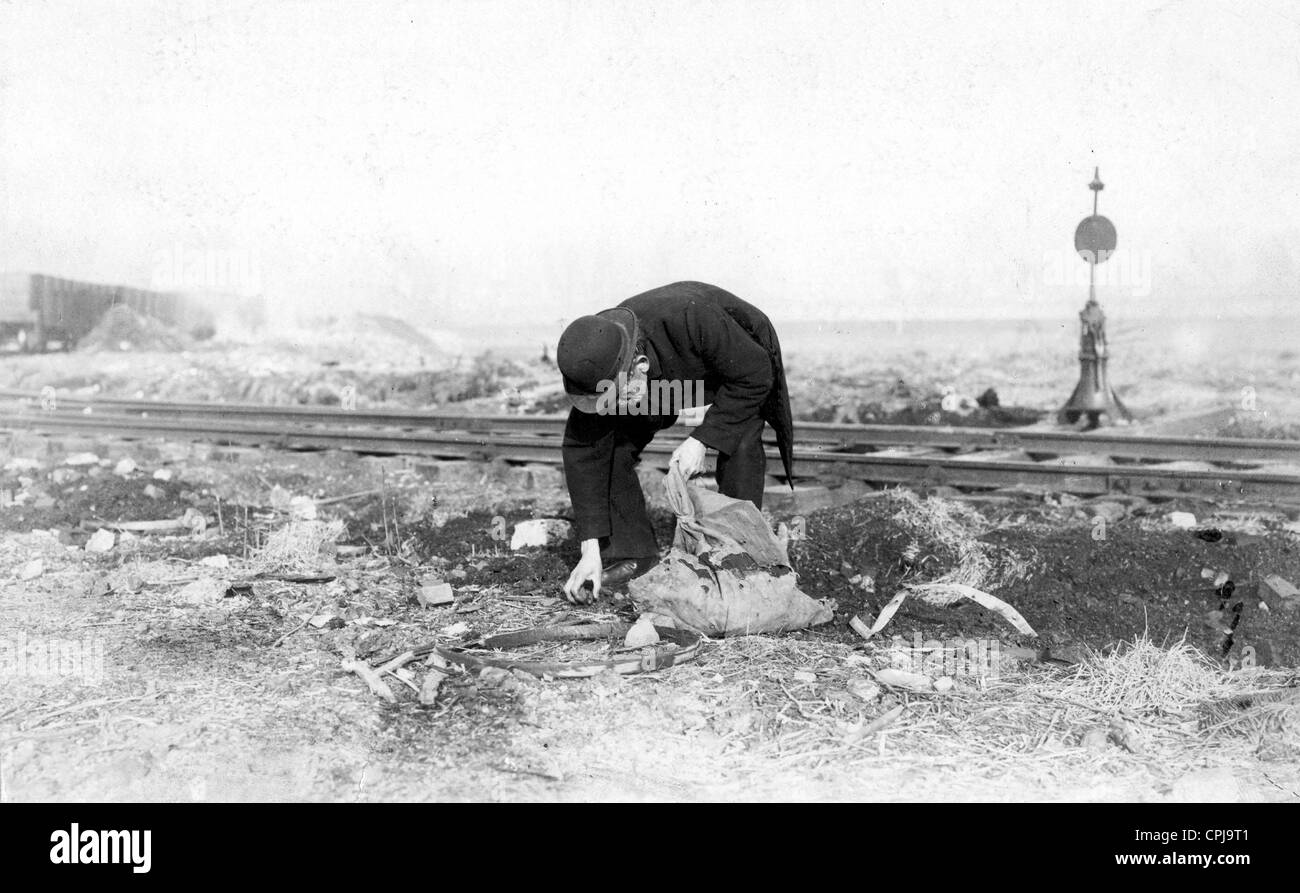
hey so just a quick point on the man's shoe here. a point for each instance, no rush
(619, 572)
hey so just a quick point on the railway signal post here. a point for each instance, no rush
(1095, 240)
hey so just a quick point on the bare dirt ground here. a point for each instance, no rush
(188, 664)
(166, 688)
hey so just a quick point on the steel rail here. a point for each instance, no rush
(1107, 442)
(1280, 485)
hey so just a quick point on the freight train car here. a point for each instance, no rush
(37, 311)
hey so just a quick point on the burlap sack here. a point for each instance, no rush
(727, 574)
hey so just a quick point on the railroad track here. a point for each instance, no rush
(1091, 463)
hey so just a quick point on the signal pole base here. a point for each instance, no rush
(1093, 398)
(1093, 395)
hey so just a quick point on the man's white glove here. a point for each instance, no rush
(689, 458)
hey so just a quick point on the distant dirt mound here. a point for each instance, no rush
(123, 329)
(397, 328)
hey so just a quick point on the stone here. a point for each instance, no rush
(1184, 520)
(642, 633)
(540, 532)
(162, 474)
(125, 466)
(1275, 589)
(61, 476)
(32, 569)
(203, 591)
(82, 459)
(433, 593)
(102, 540)
(492, 677)
(195, 520)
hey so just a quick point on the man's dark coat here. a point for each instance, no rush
(689, 332)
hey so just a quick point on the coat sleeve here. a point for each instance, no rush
(588, 448)
(744, 368)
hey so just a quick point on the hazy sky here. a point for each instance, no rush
(516, 161)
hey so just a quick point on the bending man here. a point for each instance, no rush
(629, 371)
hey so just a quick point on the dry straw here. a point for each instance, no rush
(299, 545)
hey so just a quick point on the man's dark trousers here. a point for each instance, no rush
(740, 475)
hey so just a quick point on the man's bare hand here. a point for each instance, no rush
(587, 568)
(689, 457)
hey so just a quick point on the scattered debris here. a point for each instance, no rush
(434, 592)
(642, 633)
(1218, 578)
(102, 540)
(863, 688)
(903, 679)
(1278, 588)
(429, 687)
(492, 677)
(944, 594)
(203, 591)
(676, 646)
(371, 678)
(540, 532)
